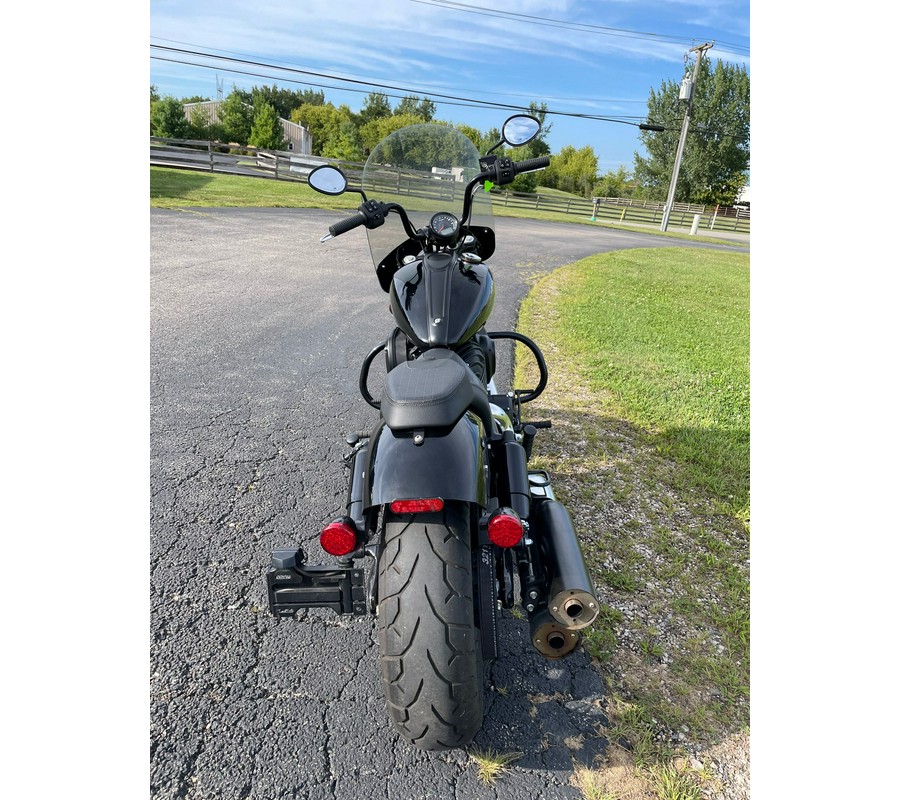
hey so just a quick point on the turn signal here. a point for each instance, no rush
(417, 506)
(505, 528)
(338, 538)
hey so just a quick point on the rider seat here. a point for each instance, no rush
(434, 391)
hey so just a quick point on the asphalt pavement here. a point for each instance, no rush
(257, 335)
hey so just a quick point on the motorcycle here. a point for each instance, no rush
(440, 494)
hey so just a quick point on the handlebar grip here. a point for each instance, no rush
(530, 164)
(347, 224)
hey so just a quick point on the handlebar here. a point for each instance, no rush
(500, 170)
(531, 164)
(371, 213)
(347, 224)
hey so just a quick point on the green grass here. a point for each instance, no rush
(546, 190)
(491, 763)
(648, 354)
(666, 334)
(177, 188)
(671, 783)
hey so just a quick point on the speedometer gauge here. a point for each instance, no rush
(444, 226)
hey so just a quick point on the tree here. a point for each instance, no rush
(154, 93)
(323, 123)
(236, 116)
(167, 119)
(717, 149)
(538, 145)
(347, 144)
(201, 127)
(375, 130)
(573, 170)
(266, 131)
(474, 134)
(375, 106)
(285, 100)
(616, 183)
(434, 144)
(413, 106)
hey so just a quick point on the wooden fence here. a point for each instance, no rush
(283, 165)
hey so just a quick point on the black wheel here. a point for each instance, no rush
(430, 648)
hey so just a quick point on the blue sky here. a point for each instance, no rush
(468, 49)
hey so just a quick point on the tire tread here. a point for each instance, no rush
(429, 643)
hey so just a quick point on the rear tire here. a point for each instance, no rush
(430, 647)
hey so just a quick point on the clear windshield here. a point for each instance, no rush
(424, 168)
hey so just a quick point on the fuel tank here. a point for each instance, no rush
(440, 300)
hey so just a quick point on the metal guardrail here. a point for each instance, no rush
(282, 165)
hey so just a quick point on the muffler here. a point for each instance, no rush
(570, 601)
(550, 638)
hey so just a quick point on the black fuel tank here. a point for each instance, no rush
(440, 301)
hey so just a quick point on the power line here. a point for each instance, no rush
(701, 130)
(450, 100)
(276, 62)
(465, 104)
(447, 99)
(584, 27)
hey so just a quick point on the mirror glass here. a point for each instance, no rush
(328, 180)
(520, 129)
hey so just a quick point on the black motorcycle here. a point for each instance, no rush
(440, 495)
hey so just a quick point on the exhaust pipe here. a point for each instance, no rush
(571, 601)
(550, 638)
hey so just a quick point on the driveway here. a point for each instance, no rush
(258, 331)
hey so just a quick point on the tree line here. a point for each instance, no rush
(714, 167)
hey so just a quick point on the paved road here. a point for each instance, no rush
(257, 336)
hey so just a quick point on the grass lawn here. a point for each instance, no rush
(546, 190)
(179, 188)
(648, 353)
(665, 334)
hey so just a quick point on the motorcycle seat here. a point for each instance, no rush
(434, 391)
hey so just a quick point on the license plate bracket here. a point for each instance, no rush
(294, 585)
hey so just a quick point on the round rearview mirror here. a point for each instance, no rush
(328, 180)
(520, 129)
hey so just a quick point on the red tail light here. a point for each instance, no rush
(338, 538)
(505, 528)
(416, 506)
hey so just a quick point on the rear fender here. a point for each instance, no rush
(449, 463)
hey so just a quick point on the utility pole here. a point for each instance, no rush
(679, 153)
